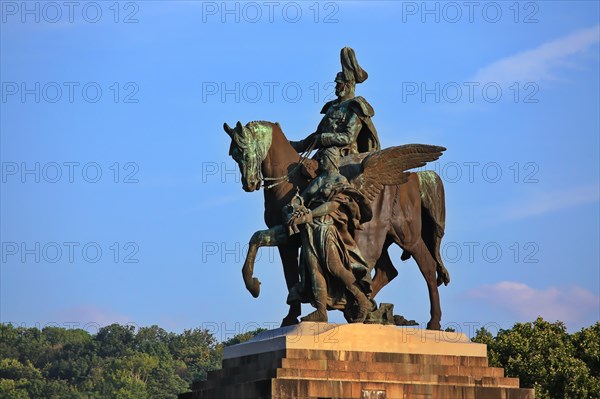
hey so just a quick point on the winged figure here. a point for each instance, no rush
(333, 272)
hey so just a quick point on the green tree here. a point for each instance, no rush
(587, 347)
(114, 340)
(11, 389)
(18, 378)
(543, 356)
(166, 380)
(154, 341)
(199, 350)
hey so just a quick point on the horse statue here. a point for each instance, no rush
(411, 214)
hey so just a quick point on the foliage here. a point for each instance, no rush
(546, 357)
(121, 363)
(115, 363)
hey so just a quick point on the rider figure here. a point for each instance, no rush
(347, 122)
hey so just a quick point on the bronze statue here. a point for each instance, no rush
(331, 263)
(406, 208)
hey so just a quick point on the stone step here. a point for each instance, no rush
(298, 388)
(313, 389)
(318, 372)
(396, 368)
(268, 358)
(387, 357)
(456, 380)
(399, 369)
(258, 366)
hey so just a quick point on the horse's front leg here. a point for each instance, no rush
(262, 238)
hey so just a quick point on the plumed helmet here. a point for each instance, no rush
(351, 71)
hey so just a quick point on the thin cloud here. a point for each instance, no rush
(541, 62)
(573, 304)
(552, 201)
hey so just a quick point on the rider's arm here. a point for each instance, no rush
(302, 145)
(329, 139)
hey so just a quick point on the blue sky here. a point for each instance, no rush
(120, 204)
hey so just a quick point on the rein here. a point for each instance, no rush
(282, 179)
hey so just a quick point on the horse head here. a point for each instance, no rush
(249, 147)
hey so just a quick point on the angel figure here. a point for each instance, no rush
(331, 264)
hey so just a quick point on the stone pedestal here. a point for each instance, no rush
(352, 361)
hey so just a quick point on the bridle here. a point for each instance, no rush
(282, 179)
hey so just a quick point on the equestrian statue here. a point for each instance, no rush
(334, 216)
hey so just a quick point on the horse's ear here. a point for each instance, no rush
(228, 130)
(238, 125)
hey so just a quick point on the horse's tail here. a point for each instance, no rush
(433, 217)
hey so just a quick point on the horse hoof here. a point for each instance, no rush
(434, 326)
(289, 321)
(255, 288)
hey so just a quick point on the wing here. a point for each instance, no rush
(390, 166)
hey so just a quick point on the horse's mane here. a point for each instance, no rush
(252, 124)
(254, 128)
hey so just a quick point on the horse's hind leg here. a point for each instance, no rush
(428, 266)
(384, 272)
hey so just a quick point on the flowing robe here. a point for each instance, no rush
(328, 243)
